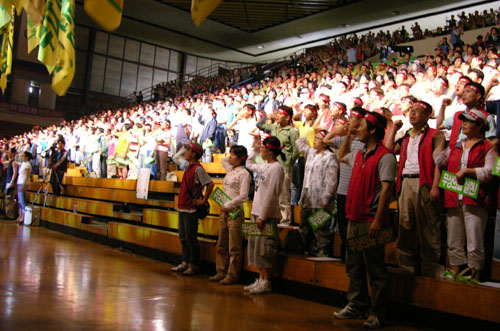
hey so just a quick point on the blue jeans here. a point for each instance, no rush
(21, 197)
(496, 246)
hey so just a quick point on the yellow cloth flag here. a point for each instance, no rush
(34, 9)
(7, 33)
(34, 32)
(64, 70)
(47, 52)
(201, 9)
(4, 16)
(106, 13)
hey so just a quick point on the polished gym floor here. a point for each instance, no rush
(53, 281)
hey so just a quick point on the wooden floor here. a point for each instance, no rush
(52, 281)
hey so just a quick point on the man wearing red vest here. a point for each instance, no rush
(190, 196)
(367, 203)
(472, 97)
(416, 170)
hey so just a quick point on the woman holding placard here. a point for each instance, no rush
(236, 186)
(474, 158)
(318, 193)
(262, 250)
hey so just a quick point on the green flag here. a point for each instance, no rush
(65, 66)
(7, 33)
(47, 52)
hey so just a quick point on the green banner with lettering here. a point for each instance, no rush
(470, 188)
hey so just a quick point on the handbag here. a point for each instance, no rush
(202, 211)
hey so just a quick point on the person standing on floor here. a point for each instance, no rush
(262, 251)
(23, 180)
(320, 186)
(417, 148)
(287, 136)
(191, 195)
(367, 204)
(355, 117)
(236, 186)
(471, 157)
(59, 166)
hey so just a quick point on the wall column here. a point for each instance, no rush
(47, 97)
(20, 92)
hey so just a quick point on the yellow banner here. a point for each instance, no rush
(7, 33)
(106, 13)
(65, 67)
(47, 53)
(34, 32)
(34, 9)
(201, 9)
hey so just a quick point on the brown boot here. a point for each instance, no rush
(229, 281)
(216, 278)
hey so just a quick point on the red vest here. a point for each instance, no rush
(476, 159)
(457, 127)
(363, 184)
(425, 159)
(185, 201)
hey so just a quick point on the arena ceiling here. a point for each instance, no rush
(259, 30)
(255, 15)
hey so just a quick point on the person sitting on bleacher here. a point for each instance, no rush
(190, 197)
(236, 186)
(319, 190)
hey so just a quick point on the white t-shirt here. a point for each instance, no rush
(24, 172)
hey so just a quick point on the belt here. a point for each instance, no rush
(412, 176)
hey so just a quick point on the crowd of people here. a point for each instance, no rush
(339, 138)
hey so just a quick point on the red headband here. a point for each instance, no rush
(341, 106)
(273, 147)
(357, 114)
(358, 100)
(443, 81)
(423, 106)
(284, 112)
(341, 121)
(372, 119)
(196, 149)
(324, 98)
(474, 88)
(322, 133)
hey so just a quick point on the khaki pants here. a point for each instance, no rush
(229, 252)
(358, 264)
(284, 199)
(466, 225)
(416, 232)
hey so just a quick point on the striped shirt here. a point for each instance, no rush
(345, 169)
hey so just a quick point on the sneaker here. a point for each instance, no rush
(264, 286)
(180, 268)
(251, 286)
(372, 322)
(346, 313)
(216, 278)
(229, 281)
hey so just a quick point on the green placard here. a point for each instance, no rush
(470, 187)
(496, 168)
(358, 244)
(221, 198)
(318, 219)
(251, 230)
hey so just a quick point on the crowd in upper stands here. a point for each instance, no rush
(327, 90)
